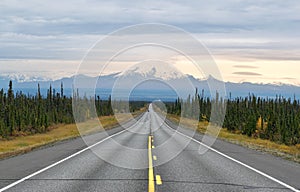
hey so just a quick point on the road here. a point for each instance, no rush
(149, 155)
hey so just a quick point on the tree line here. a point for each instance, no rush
(28, 114)
(276, 119)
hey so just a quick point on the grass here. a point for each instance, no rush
(285, 151)
(23, 144)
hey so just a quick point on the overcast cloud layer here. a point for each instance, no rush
(238, 31)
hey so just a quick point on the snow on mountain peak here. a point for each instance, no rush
(33, 76)
(150, 69)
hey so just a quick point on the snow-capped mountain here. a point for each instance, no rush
(24, 77)
(153, 70)
(142, 72)
(34, 76)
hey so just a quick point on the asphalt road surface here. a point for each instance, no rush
(148, 155)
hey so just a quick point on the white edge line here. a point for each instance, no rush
(63, 160)
(85, 149)
(237, 161)
(59, 162)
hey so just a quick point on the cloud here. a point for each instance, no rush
(289, 78)
(40, 20)
(61, 30)
(247, 73)
(28, 46)
(201, 16)
(245, 66)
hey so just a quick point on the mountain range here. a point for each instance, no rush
(139, 74)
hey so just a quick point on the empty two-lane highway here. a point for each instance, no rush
(147, 156)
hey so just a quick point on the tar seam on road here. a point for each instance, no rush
(236, 161)
(151, 187)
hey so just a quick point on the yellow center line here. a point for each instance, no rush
(158, 180)
(151, 187)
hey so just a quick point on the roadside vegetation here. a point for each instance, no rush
(22, 114)
(291, 152)
(22, 144)
(267, 124)
(31, 121)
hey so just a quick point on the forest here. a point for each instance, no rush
(276, 119)
(22, 114)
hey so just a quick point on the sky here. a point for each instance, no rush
(250, 40)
